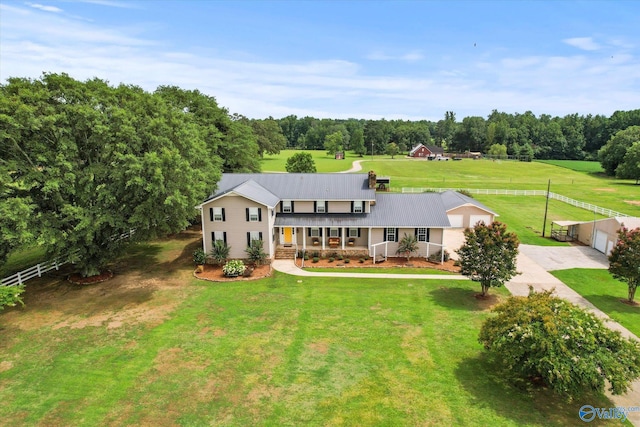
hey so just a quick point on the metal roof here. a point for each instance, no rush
(302, 186)
(390, 210)
(453, 199)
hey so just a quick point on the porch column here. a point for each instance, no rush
(304, 238)
(344, 235)
(324, 236)
(369, 240)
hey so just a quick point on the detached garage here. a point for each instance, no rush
(602, 234)
(463, 211)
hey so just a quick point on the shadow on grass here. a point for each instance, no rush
(524, 403)
(463, 299)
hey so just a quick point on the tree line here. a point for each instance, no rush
(572, 137)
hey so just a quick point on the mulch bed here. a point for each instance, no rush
(77, 279)
(214, 273)
(391, 262)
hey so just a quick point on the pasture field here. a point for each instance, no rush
(323, 161)
(603, 291)
(577, 165)
(154, 346)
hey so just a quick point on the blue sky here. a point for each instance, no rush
(339, 59)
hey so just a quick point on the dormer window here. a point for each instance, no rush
(321, 206)
(286, 206)
(358, 206)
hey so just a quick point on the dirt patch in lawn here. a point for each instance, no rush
(633, 202)
(391, 262)
(608, 190)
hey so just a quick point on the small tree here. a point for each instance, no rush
(391, 149)
(498, 151)
(547, 338)
(255, 251)
(301, 163)
(407, 245)
(624, 260)
(489, 255)
(220, 251)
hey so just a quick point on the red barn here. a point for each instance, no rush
(426, 151)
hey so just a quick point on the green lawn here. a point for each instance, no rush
(603, 291)
(22, 258)
(154, 346)
(323, 161)
(576, 165)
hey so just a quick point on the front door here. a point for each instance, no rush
(287, 236)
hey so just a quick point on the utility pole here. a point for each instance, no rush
(372, 150)
(546, 209)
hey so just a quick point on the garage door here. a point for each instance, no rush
(600, 241)
(474, 219)
(456, 221)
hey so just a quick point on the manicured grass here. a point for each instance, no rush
(398, 270)
(156, 347)
(576, 165)
(323, 161)
(603, 291)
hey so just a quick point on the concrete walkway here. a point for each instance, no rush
(355, 167)
(534, 264)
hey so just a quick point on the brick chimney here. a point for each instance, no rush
(372, 179)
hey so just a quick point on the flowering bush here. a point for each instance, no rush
(549, 339)
(235, 267)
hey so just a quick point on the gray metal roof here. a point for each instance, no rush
(302, 186)
(390, 210)
(254, 191)
(453, 199)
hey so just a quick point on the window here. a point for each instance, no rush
(390, 234)
(286, 206)
(255, 235)
(422, 234)
(314, 232)
(334, 232)
(353, 232)
(320, 206)
(218, 235)
(216, 214)
(357, 206)
(253, 214)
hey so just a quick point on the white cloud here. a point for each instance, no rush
(44, 8)
(407, 57)
(584, 43)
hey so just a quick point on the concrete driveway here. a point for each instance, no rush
(564, 257)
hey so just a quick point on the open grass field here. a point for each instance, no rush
(154, 346)
(603, 291)
(576, 165)
(323, 161)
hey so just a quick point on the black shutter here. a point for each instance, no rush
(309, 232)
(358, 232)
(211, 214)
(428, 233)
(247, 212)
(259, 214)
(352, 206)
(321, 231)
(213, 238)
(248, 239)
(260, 235)
(223, 214)
(281, 206)
(397, 234)
(340, 232)
(224, 237)
(315, 206)
(415, 233)
(326, 206)
(386, 234)
(292, 211)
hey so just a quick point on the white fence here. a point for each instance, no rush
(39, 269)
(588, 206)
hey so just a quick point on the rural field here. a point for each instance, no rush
(154, 346)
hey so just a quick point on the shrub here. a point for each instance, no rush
(10, 296)
(316, 259)
(199, 257)
(255, 251)
(234, 267)
(347, 261)
(306, 257)
(438, 255)
(331, 259)
(340, 257)
(544, 337)
(361, 260)
(220, 251)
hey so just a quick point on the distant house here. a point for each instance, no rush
(426, 151)
(329, 213)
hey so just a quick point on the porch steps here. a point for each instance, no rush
(285, 253)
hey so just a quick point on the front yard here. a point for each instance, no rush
(155, 346)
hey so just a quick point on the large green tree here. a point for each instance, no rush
(269, 136)
(547, 338)
(357, 142)
(91, 162)
(613, 152)
(624, 260)
(488, 255)
(630, 166)
(333, 143)
(300, 163)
